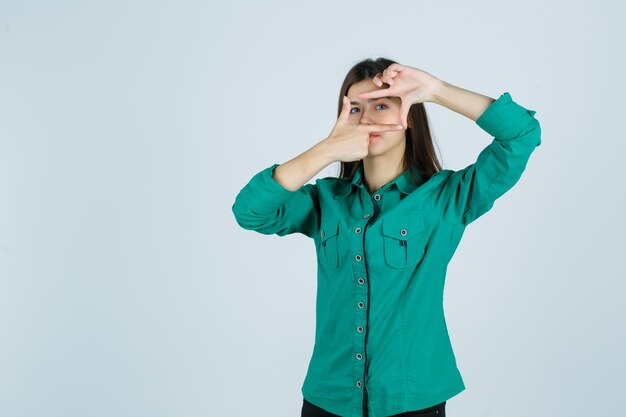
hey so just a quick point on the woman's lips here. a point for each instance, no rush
(374, 135)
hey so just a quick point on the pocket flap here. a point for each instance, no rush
(329, 227)
(403, 227)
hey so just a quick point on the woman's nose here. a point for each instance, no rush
(366, 119)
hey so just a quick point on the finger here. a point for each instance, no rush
(385, 77)
(381, 128)
(345, 110)
(390, 73)
(396, 67)
(392, 77)
(377, 93)
(377, 80)
(404, 115)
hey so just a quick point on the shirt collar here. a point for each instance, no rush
(404, 182)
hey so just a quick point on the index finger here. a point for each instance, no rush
(382, 128)
(376, 93)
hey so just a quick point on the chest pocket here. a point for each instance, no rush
(404, 240)
(328, 254)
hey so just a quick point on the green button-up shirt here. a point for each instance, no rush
(381, 338)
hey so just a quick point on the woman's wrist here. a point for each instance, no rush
(324, 150)
(465, 102)
(438, 92)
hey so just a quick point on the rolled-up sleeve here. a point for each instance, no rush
(265, 206)
(471, 192)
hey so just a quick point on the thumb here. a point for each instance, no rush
(404, 113)
(345, 110)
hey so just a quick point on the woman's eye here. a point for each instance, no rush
(356, 108)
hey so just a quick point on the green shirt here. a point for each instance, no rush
(381, 338)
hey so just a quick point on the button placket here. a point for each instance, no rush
(361, 296)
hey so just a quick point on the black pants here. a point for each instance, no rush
(439, 410)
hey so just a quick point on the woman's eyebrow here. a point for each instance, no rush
(370, 100)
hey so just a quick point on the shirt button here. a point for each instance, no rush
(357, 230)
(358, 384)
(361, 280)
(366, 216)
(361, 304)
(359, 329)
(322, 233)
(403, 232)
(358, 257)
(359, 356)
(376, 197)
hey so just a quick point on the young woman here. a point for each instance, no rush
(384, 232)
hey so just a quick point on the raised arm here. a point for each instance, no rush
(277, 200)
(460, 100)
(469, 193)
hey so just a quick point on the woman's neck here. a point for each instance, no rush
(377, 173)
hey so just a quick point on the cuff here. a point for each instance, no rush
(505, 119)
(264, 194)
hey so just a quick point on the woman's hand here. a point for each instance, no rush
(350, 142)
(412, 85)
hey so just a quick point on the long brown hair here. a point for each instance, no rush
(419, 151)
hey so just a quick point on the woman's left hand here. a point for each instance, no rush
(412, 85)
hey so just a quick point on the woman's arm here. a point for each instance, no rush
(467, 194)
(414, 85)
(346, 142)
(459, 100)
(277, 199)
(265, 206)
(294, 173)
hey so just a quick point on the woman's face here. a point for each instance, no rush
(377, 111)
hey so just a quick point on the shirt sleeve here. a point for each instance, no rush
(265, 206)
(471, 192)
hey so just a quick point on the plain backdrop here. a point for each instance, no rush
(127, 128)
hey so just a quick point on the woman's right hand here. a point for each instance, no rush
(350, 142)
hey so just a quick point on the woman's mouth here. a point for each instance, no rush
(374, 135)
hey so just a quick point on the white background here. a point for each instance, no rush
(127, 128)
